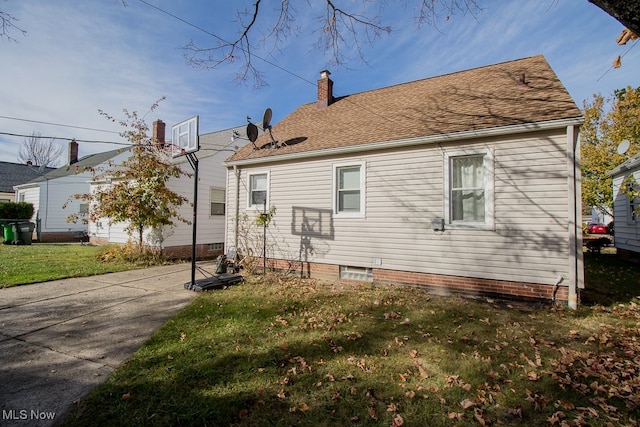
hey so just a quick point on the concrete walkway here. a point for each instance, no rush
(60, 339)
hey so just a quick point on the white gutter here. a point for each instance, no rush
(398, 143)
(237, 218)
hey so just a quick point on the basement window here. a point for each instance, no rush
(364, 274)
(214, 247)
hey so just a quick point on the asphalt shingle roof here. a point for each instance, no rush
(16, 173)
(480, 98)
(80, 166)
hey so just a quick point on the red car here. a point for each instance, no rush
(598, 229)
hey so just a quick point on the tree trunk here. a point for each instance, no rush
(140, 230)
(627, 12)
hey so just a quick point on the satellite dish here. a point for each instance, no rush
(266, 119)
(252, 132)
(623, 146)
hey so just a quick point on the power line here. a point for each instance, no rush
(621, 56)
(382, 116)
(58, 124)
(64, 139)
(273, 64)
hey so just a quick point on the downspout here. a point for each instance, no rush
(237, 213)
(576, 271)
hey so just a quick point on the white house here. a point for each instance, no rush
(50, 192)
(177, 241)
(467, 182)
(625, 209)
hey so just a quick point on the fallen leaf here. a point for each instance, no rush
(397, 421)
(125, 397)
(372, 413)
(467, 403)
(304, 407)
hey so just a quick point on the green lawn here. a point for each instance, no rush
(43, 262)
(278, 351)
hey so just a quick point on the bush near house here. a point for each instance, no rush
(19, 210)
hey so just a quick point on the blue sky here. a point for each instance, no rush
(81, 57)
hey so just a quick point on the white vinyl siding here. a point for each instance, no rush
(405, 188)
(627, 225)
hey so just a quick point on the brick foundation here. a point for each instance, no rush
(436, 283)
(58, 237)
(628, 255)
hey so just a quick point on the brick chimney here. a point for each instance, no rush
(325, 89)
(158, 132)
(73, 152)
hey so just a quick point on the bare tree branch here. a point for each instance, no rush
(342, 33)
(40, 152)
(7, 24)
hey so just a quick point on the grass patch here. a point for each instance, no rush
(285, 351)
(43, 262)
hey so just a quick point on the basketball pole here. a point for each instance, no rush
(193, 161)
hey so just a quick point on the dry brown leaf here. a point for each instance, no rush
(423, 372)
(372, 413)
(617, 63)
(397, 421)
(467, 403)
(455, 415)
(625, 36)
(304, 407)
(125, 397)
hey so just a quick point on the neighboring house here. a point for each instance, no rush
(467, 182)
(625, 210)
(15, 174)
(51, 191)
(177, 241)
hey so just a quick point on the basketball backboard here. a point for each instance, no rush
(184, 137)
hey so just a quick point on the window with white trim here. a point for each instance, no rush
(632, 213)
(469, 188)
(217, 201)
(348, 195)
(258, 192)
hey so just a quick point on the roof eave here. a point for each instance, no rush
(383, 145)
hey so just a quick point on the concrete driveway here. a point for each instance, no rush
(60, 339)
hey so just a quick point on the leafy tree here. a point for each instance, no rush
(137, 193)
(603, 130)
(40, 151)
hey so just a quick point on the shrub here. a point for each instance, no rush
(130, 252)
(20, 210)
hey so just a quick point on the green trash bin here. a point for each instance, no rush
(23, 232)
(7, 233)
